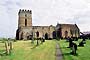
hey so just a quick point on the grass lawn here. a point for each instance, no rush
(24, 50)
(83, 53)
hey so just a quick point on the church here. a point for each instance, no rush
(26, 31)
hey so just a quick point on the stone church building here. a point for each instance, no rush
(26, 31)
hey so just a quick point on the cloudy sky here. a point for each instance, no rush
(44, 12)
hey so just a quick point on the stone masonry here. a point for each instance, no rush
(27, 31)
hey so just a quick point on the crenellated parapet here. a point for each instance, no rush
(25, 11)
(24, 18)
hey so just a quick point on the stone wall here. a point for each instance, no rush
(69, 30)
(24, 15)
(27, 31)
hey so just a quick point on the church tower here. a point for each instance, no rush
(24, 18)
(24, 24)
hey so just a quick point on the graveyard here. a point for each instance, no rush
(44, 30)
(26, 50)
(82, 52)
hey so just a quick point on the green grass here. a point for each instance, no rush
(24, 50)
(83, 53)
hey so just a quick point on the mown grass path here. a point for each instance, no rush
(58, 52)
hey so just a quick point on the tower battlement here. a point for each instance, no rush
(25, 18)
(25, 11)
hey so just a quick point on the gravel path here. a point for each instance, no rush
(58, 52)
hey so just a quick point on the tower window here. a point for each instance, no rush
(25, 22)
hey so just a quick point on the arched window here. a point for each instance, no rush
(25, 22)
(66, 34)
(46, 36)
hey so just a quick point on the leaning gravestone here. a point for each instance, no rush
(81, 44)
(74, 48)
(11, 47)
(7, 48)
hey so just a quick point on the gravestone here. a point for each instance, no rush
(37, 34)
(11, 47)
(32, 37)
(74, 48)
(7, 48)
(70, 42)
(82, 43)
(43, 38)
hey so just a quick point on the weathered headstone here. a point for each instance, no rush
(43, 38)
(11, 46)
(7, 48)
(37, 33)
(82, 43)
(70, 42)
(32, 37)
(74, 48)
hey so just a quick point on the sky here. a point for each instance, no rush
(44, 12)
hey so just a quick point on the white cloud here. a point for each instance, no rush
(45, 12)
